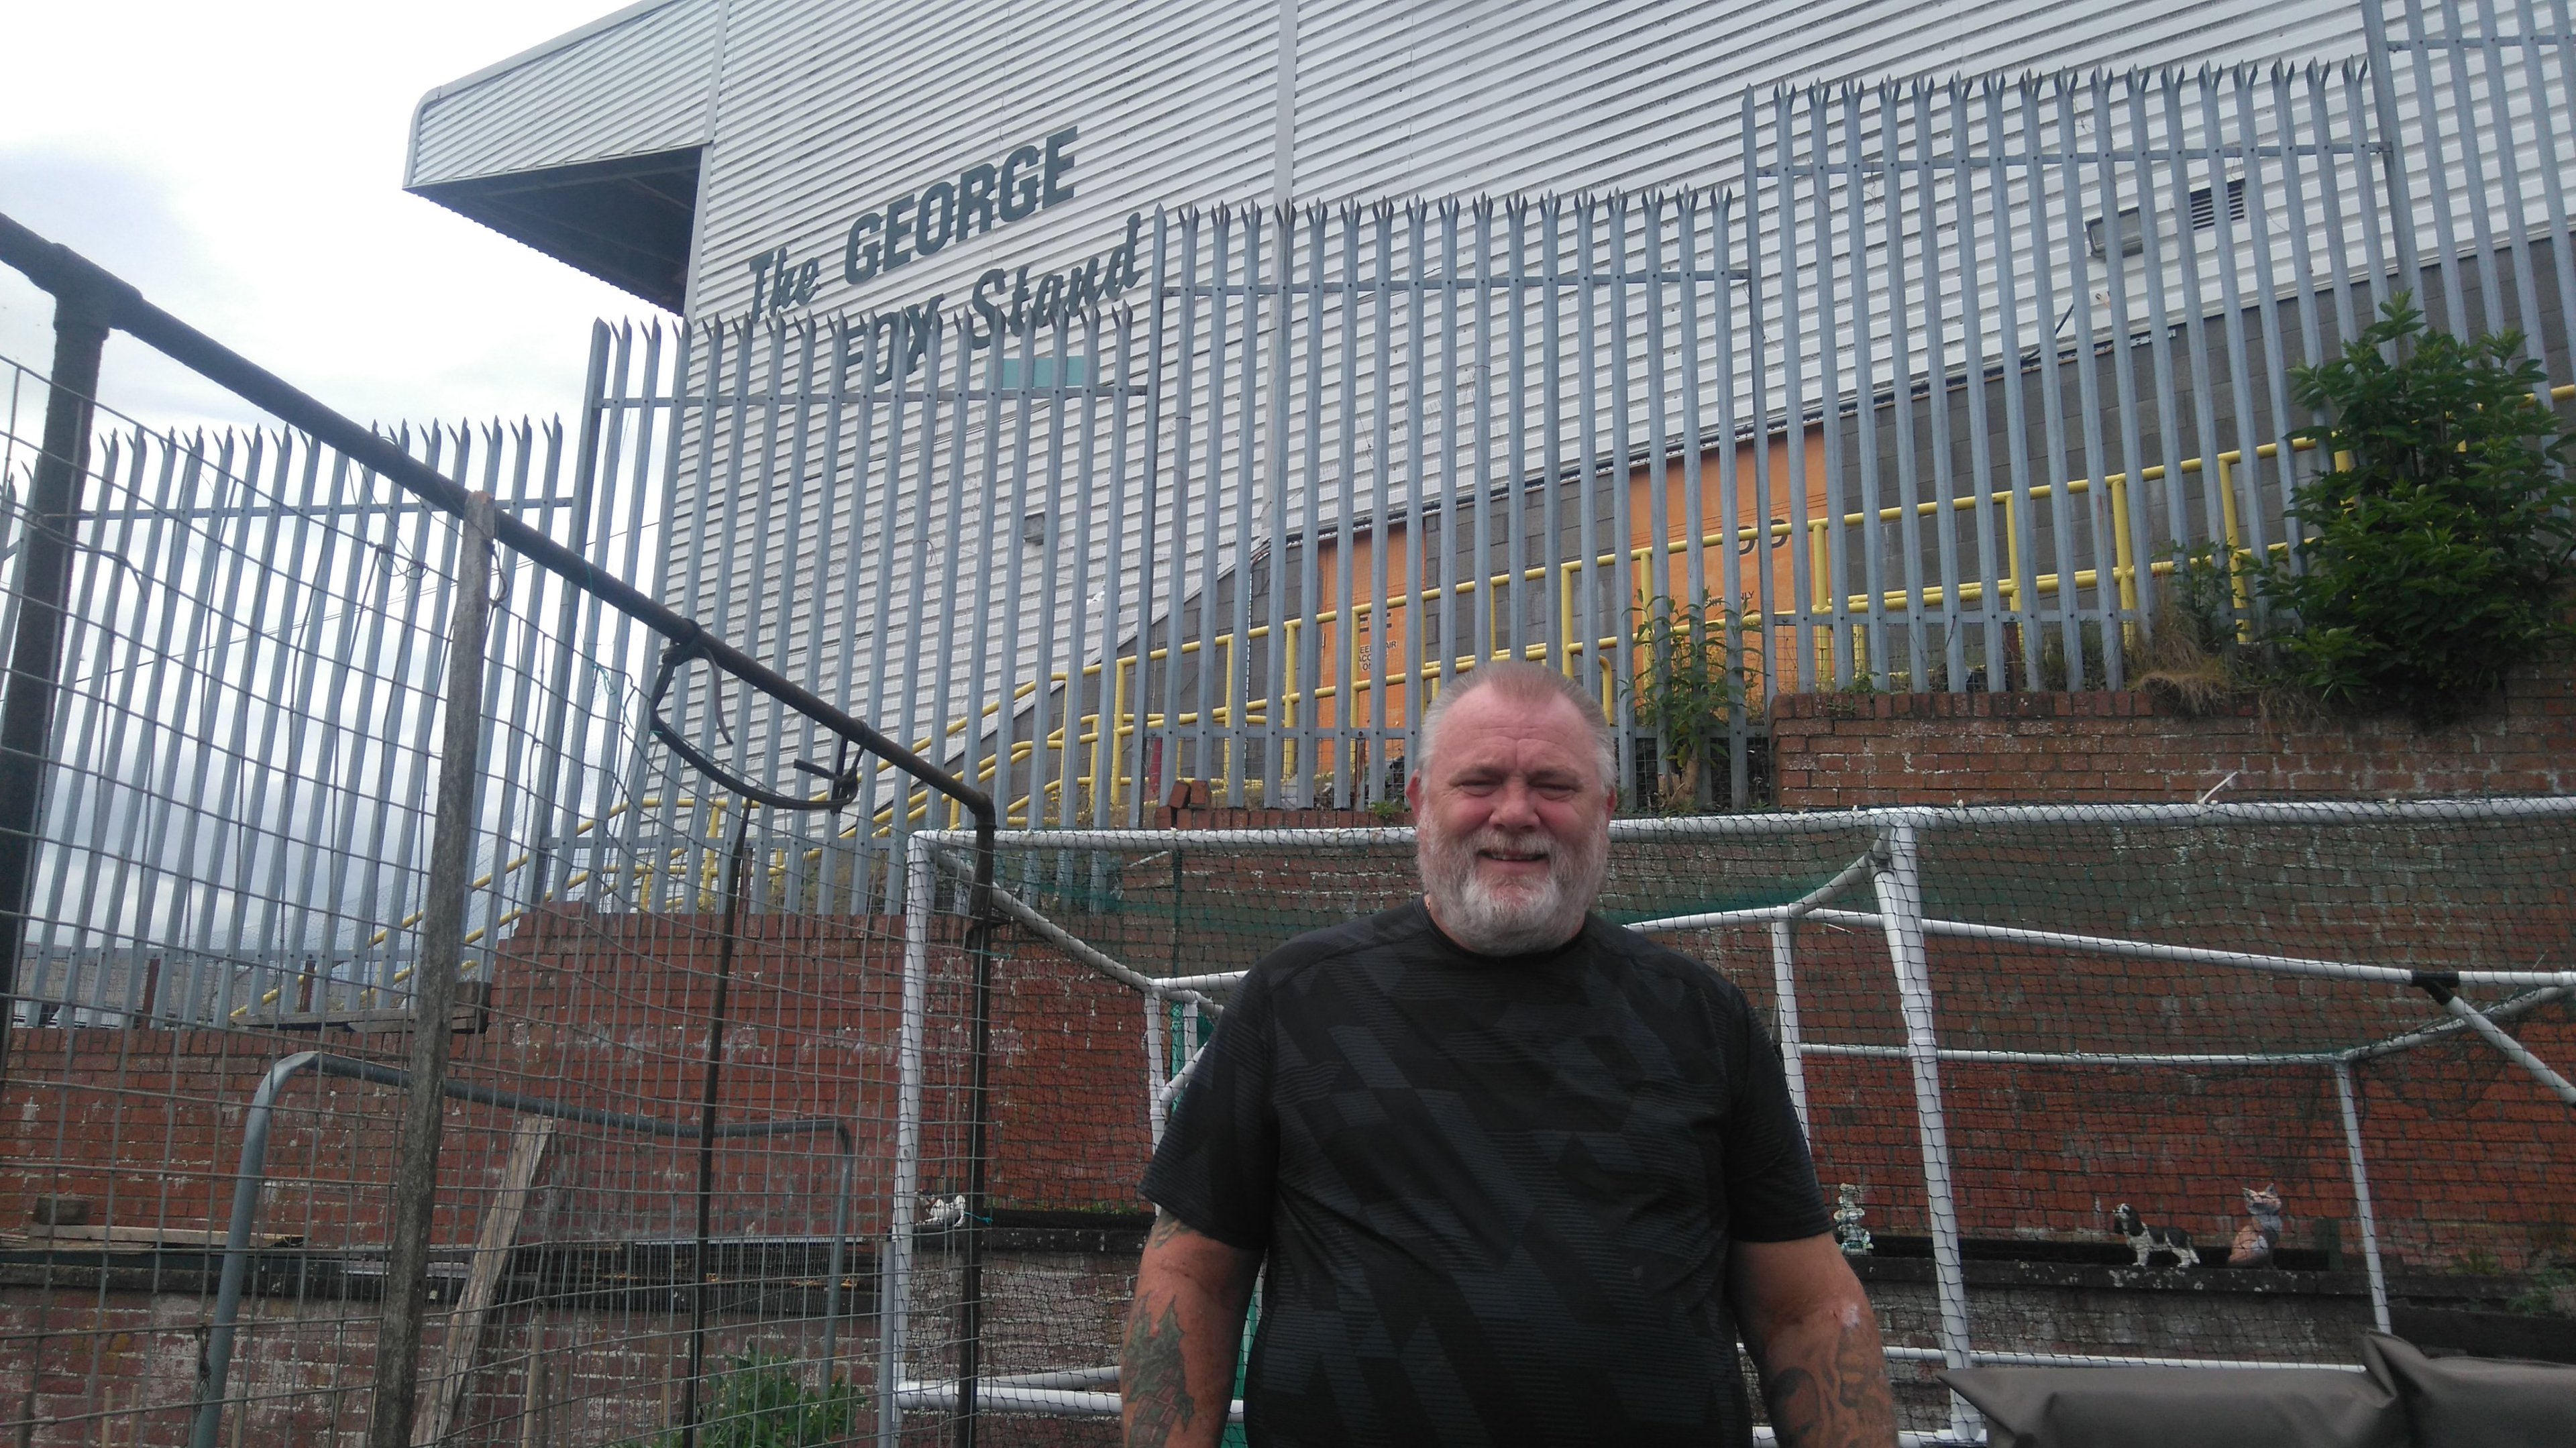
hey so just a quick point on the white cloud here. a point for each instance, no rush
(242, 164)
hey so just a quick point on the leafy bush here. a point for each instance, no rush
(2438, 551)
(761, 1401)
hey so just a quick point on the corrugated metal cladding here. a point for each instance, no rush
(827, 109)
(635, 83)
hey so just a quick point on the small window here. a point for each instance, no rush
(1040, 373)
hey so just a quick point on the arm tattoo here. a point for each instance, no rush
(1166, 1227)
(1797, 1406)
(1154, 1381)
(1847, 1408)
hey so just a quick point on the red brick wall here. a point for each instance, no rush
(609, 1012)
(1836, 751)
(601, 1011)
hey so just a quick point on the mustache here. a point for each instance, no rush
(1538, 843)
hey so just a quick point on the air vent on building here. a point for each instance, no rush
(2204, 211)
(2201, 204)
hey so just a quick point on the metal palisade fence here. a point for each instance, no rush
(1936, 398)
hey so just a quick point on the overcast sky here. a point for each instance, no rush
(241, 162)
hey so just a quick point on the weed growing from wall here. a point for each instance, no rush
(1693, 676)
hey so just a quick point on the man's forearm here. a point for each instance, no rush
(1825, 1379)
(1176, 1372)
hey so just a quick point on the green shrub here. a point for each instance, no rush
(2438, 551)
(761, 1401)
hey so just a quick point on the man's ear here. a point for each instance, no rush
(1413, 792)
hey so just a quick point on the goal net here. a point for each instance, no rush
(2313, 1049)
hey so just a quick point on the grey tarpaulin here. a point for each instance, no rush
(2403, 1399)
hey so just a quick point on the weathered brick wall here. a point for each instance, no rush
(607, 1012)
(610, 1013)
(1837, 751)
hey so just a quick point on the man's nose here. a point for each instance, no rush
(1515, 808)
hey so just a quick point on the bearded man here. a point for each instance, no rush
(1518, 1175)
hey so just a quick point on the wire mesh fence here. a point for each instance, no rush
(410, 1043)
(2306, 1049)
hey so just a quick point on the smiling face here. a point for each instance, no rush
(1512, 822)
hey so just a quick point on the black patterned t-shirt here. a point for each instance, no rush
(1495, 1195)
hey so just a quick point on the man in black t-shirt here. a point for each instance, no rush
(1518, 1175)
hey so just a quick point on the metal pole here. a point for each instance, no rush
(894, 1275)
(2361, 1196)
(442, 942)
(979, 950)
(228, 1291)
(1900, 899)
(81, 314)
(725, 945)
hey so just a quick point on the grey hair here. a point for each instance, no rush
(1526, 683)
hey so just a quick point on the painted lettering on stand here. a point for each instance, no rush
(777, 285)
(1004, 300)
(982, 197)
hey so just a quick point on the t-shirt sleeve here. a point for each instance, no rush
(1219, 1158)
(1771, 1193)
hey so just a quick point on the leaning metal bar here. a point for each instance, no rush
(1900, 894)
(1807, 904)
(254, 1165)
(2361, 1195)
(1081, 950)
(2501, 1011)
(2515, 1051)
(56, 268)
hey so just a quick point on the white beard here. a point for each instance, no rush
(1493, 917)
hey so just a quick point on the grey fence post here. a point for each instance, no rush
(36, 655)
(550, 811)
(2382, 61)
(442, 941)
(1900, 904)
